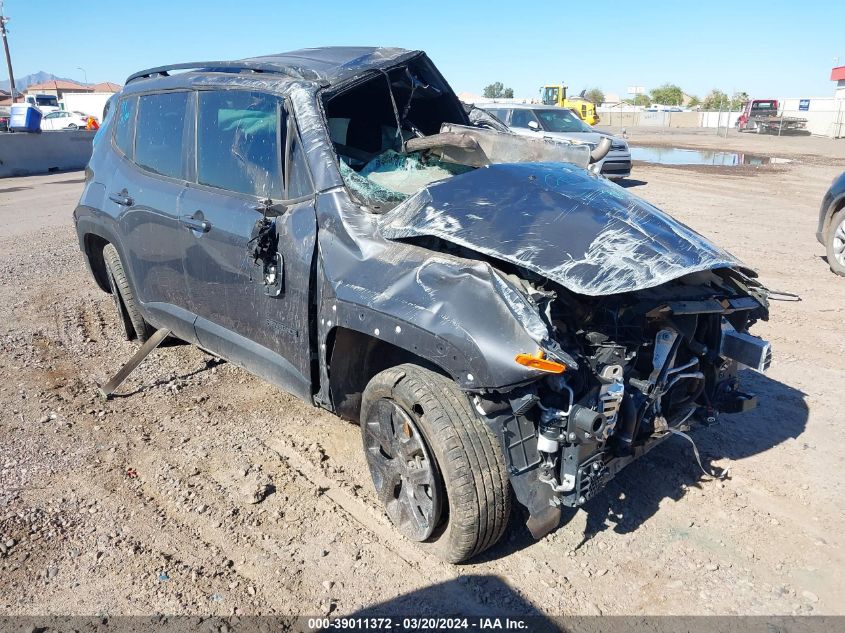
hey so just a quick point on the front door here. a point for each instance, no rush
(248, 312)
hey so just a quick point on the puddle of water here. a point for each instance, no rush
(678, 156)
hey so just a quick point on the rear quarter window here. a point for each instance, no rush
(124, 125)
(160, 127)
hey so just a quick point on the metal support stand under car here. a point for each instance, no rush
(151, 343)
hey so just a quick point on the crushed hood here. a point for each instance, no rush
(560, 221)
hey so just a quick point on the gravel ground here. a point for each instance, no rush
(203, 490)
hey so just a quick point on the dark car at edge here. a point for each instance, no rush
(831, 229)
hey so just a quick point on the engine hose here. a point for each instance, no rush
(693, 396)
(722, 475)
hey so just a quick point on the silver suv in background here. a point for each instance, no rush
(562, 124)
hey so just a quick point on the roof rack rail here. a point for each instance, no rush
(255, 66)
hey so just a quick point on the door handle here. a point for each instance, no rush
(195, 224)
(122, 198)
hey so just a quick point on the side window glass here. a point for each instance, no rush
(124, 125)
(299, 180)
(520, 118)
(502, 115)
(160, 127)
(238, 142)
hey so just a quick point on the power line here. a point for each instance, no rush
(3, 20)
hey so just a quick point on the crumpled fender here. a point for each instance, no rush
(458, 313)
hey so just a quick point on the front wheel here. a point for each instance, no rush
(437, 468)
(73, 126)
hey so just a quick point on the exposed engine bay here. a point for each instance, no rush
(644, 363)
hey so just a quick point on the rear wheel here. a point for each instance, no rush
(437, 468)
(134, 325)
(73, 126)
(836, 243)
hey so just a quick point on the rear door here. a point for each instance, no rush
(144, 195)
(244, 312)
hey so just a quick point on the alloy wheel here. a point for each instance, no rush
(404, 474)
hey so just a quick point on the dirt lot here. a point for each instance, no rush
(145, 504)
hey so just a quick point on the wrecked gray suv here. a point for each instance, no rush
(494, 315)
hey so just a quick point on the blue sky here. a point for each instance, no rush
(787, 49)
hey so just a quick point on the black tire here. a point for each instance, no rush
(835, 243)
(134, 325)
(469, 470)
(73, 126)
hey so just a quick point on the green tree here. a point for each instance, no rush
(667, 94)
(738, 99)
(715, 100)
(694, 101)
(497, 90)
(595, 95)
(639, 100)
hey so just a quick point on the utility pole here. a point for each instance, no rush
(3, 20)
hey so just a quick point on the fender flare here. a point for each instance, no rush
(467, 369)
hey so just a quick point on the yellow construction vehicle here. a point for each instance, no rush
(580, 105)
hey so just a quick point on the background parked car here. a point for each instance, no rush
(562, 124)
(63, 120)
(831, 231)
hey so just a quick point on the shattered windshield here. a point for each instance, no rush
(391, 177)
(404, 129)
(370, 123)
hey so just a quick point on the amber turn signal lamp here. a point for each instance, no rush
(539, 361)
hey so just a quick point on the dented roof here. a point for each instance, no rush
(327, 65)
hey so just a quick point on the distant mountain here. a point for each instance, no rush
(21, 83)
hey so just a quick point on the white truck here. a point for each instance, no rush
(45, 103)
(87, 103)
